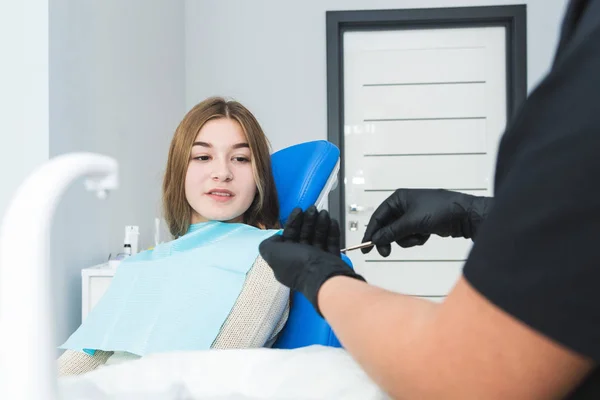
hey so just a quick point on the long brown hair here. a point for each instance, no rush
(264, 210)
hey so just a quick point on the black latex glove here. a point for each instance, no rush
(307, 253)
(409, 216)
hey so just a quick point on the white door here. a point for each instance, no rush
(423, 108)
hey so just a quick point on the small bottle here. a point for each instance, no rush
(127, 249)
(132, 234)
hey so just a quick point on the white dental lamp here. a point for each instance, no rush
(27, 347)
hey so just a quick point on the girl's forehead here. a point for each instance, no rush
(222, 132)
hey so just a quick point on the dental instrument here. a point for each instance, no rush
(358, 246)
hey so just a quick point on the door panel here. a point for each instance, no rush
(425, 137)
(421, 65)
(436, 101)
(433, 171)
(423, 108)
(407, 277)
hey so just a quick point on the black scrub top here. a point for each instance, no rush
(537, 256)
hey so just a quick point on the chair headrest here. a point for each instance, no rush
(304, 175)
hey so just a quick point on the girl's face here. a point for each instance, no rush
(219, 183)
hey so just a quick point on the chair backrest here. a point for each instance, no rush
(304, 175)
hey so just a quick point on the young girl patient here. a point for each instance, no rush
(218, 169)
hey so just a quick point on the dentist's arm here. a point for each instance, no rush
(465, 348)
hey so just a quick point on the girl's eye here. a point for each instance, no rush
(242, 159)
(202, 158)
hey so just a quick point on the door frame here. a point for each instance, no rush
(511, 17)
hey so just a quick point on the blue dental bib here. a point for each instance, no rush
(174, 297)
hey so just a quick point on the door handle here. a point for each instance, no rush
(355, 209)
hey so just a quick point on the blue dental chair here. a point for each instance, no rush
(304, 175)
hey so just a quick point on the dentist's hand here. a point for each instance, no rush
(409, 216)
(307, 253)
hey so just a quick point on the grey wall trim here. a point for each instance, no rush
(512, 17)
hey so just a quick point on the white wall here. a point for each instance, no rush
(270, 55)
(117, 88)
(23, 92)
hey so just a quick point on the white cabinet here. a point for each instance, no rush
(94, 282)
